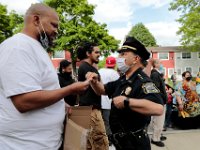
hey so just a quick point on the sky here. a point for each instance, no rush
(121, 15)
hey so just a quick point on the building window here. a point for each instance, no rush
(170, 71)
(164, 71)
(163, 56)
(59, 54)
(186, 55)
(188, 69)
(179, 72)
(178, 55)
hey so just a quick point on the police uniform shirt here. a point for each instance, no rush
(138, 86)
(88, 97)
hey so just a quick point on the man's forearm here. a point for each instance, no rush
(43, 98)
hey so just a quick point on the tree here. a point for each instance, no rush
(77, 26)
(9, 22)
(140, 32)
(190, 22)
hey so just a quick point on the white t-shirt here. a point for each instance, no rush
(24, 67)
(107, 75)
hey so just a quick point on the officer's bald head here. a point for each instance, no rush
(38, 9)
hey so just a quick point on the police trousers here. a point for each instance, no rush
(97, 138)
(138, 140)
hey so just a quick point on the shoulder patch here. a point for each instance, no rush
(150, 87)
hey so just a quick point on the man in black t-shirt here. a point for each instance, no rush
(134, 98)
(89, 54)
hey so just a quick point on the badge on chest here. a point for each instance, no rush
(128, 90)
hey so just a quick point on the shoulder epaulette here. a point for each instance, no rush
(143, 78)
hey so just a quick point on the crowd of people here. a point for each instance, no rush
(185, 103)
(34, 98)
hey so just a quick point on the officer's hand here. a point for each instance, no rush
(92, 77)
(119, 101)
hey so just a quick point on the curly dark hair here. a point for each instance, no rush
(184, 73)
(84, 48)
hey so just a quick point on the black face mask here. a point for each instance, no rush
(188, 78)
(67, 74)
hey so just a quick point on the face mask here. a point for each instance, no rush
(44, 40)
(161, 69)
(188, 78)
(123, 68)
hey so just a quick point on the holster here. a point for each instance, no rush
(123, 138)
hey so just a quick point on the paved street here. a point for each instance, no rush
(179, 140)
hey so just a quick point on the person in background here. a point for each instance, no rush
(107, 74)
(198, 83)
(65, 79)
(89, 54)
(32, 109)
(134, 98)
(158, 121)
(174, 78)
(169, 106)
(188, 103)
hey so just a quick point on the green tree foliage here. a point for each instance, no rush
(77, 26)
(102, 63)
(9, 22)
(140, 32)
(190, 22)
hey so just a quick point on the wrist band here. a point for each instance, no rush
(126, 103)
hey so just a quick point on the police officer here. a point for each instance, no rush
(135, 98)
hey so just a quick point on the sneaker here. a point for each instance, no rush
(158, 143)
(164, 129)
(163, 138)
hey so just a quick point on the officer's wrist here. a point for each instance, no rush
(126, 102)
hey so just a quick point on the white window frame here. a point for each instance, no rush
(170, 71)
(165, 70)
(61, 57)
(186, 58)
(178, 55)
(177, 70)
(189, 70)
(163, 53)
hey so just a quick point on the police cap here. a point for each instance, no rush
(132, 44)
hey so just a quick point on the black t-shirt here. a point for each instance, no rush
(66, 80)
(139, 86)
(88, 97)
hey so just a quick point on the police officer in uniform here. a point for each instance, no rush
(135, 98)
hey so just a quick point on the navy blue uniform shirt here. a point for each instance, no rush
(138, 86)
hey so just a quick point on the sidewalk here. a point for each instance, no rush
(179, 140)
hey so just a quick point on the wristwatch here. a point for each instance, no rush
(126, 102)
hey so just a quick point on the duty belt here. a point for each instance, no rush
(134, 133)
(137, 134)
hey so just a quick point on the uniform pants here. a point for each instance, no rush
(157, 125)
(97, 138)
